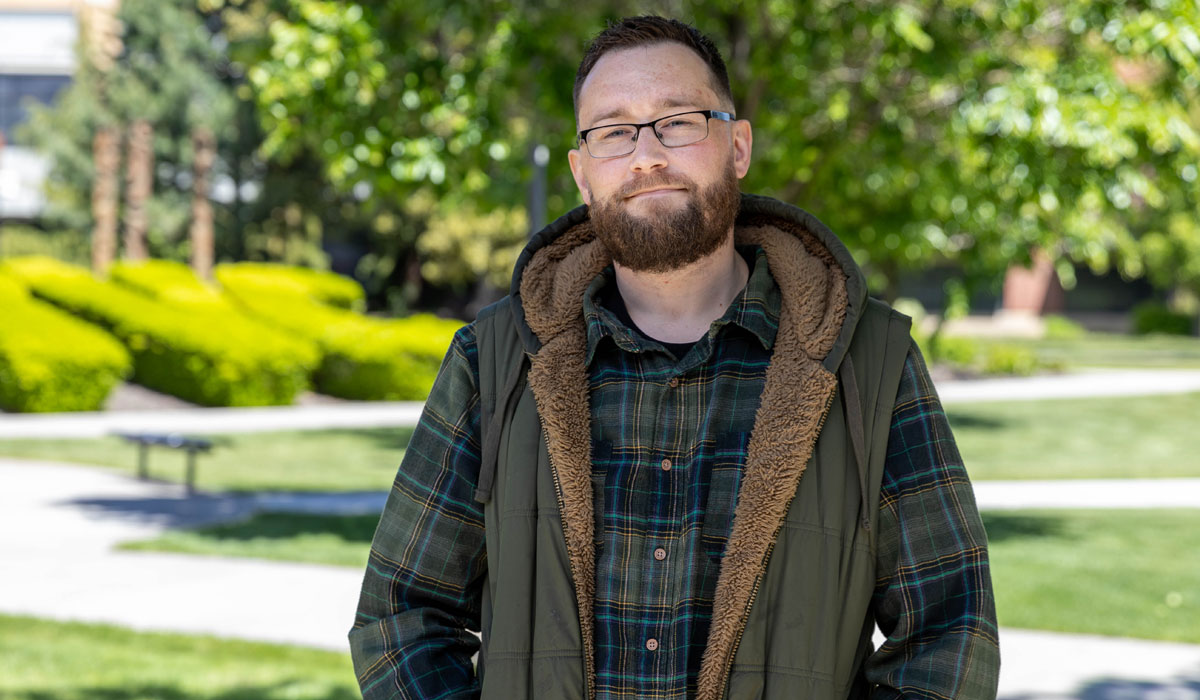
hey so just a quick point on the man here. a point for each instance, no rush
(686, 456)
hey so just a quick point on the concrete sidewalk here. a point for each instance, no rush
(375, 414)
(1088, 493)
(1073, 385)
(86, 511)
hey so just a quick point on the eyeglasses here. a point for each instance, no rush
(683, 129)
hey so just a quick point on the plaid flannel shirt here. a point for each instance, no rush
(661, 532)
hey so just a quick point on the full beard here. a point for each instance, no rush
(668, 240)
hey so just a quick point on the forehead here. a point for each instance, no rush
(641, 82)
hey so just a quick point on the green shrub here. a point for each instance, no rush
(1063, 328)
(50, 361)
(386, 359)
(1009, 359)
(955, 350)
(274, 279)
(204, 356)
(1154, 317)
(11, 290)
(911, 308)
(362, 358)
(170, 282)
(69, 246)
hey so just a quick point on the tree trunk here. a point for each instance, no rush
(204, 145)
(106, 156)
(139, 186)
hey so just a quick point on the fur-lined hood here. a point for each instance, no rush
(823, 293)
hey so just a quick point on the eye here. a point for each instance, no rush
(613, 134)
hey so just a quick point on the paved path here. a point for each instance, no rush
(370, 414)
(1073, 385)
(58, 525)
(85, 511)
(1088, 493)
(350, 414)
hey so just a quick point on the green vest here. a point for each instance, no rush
(791, 616)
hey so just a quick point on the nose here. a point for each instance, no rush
(648, 152)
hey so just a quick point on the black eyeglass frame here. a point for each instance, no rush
(637, 129)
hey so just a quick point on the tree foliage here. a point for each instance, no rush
(168, 73)
(178, 67)
(922, 132)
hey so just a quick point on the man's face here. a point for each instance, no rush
(659, 208)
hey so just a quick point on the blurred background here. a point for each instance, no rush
(236, 237)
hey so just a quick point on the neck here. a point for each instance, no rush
(679, 306)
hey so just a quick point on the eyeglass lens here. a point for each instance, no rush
(621, 139)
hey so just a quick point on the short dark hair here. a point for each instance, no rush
(647, 30)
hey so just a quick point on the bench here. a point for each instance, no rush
(175, 441)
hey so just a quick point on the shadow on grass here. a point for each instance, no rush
(194, 510)
(390, 438)
(296, 688)
(960, 419)
(282, 526)
(1009, 526)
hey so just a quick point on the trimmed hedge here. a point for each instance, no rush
(385, 359)
(50, 361)
(363, 358)
(11, 290)
(272, 278)
(210, 358)
(170, 282)
(1154, 317)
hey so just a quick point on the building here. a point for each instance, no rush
(38, 40)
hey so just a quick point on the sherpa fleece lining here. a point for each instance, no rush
(796, 396)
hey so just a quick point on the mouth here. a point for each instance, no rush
(654, 192)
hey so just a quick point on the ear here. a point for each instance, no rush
(743, 142)
(575, 158)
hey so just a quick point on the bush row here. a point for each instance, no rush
(362, 358)
(50, 361)
(271, 278)
(169, 282)
(1155, 317)
(204, 356)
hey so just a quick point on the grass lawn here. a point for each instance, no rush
(1123, 573)
(1151, 436)
(1126, 437)
(41, 659)
(306, 460)
(314, 539)
(1111, 350)
(1113, 572)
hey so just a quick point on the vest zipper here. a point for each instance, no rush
(758, 579)
(588, 661)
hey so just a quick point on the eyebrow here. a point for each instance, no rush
(665, 103)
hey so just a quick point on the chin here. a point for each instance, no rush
(655, 204)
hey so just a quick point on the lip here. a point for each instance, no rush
(656, 191)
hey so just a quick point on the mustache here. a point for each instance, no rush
(655, 180)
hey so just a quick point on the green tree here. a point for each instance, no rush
(923, 132)
(166, 76)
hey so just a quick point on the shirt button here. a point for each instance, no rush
(673, 383)
(666, 465)
(660, 554)
(652, 644)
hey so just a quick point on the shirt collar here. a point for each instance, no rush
(756, 309)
